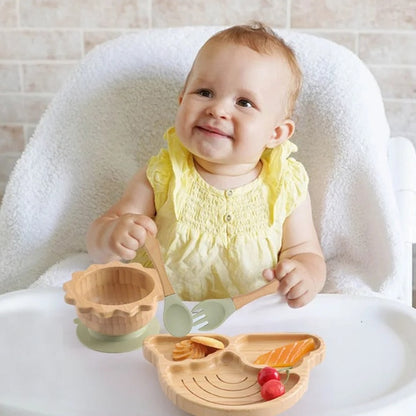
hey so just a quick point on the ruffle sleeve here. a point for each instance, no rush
(294, 184)
(288, 181)
(159, 173)
(170, 171)
(182, 168)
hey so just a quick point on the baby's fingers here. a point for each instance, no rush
(288, 282)
(295, 301)
(285, 273)
(124, 246)
(296, 291)
(269, 274)
(139, 234)
(126, 253)
(284, 267)
(147, 223)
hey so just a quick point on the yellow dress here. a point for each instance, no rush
(216, 243)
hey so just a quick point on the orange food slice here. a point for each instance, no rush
(286, 355)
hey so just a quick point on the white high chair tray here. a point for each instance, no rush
(369, 368)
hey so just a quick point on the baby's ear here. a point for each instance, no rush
(281, 133)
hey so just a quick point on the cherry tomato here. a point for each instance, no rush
(272, 389)
(266, 374)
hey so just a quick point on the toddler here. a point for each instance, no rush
(228, 204)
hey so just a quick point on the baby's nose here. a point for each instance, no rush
(218, 109)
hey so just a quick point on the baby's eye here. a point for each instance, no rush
(204, 93)
(245, 103)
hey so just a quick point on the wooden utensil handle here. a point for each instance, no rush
(241, 300)
(153, 250)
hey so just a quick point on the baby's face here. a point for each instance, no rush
(233, 101)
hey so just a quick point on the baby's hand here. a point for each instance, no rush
(296, 284)
(127, 233)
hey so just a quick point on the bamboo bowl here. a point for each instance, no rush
(115, 298)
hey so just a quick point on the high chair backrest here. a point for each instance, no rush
(110, 116)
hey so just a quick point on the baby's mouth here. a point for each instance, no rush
(214, 131)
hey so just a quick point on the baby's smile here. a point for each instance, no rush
(213, 131)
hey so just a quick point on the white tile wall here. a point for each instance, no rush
(42, 40)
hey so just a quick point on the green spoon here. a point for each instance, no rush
(177, 318)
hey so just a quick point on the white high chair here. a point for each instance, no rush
(102, 125)
(110, 116)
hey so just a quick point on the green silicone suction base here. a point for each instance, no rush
(109, 343)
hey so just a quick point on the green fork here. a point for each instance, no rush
(215, 311)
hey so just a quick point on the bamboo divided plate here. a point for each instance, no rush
(225, 382)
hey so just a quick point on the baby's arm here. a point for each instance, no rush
(120, 231)
(301, 267)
